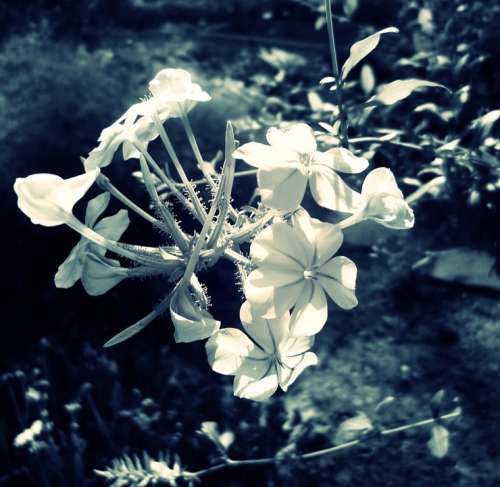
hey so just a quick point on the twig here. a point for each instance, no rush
(336, 72)
(228, 463)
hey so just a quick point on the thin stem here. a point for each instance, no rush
(200, 211)
(163, 177)
(197, 182)
(320, 453)
(336, 72)
(195, 254)
(104, 182)
(351, 220)
(425, 188)
(199, 158)
(110, 245)
(172, 226)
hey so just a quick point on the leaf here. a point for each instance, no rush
(439, 442)
(126, 334)
(367, 79)
(353, 428)
(362, 48)
(400, 89)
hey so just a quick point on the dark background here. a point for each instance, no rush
(70, 68)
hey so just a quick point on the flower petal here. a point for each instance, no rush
(70, 270)
(48, 199)
(100, 274)
(282, 187)
(381, 180)
(287, 375)
(226, 350)
(113, 227)
(191, 323)
(277, 246)
(256, 380)
(298, 137)
(73, 189)
(267, 333)
(321, 239)
(342, 160)
(268, 299)
(263, 156)
(338, 279)
(310, 312)
(95, 208)
(330, 191)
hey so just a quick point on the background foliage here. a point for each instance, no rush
(68, 69)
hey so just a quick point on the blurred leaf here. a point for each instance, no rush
(400, 89)
(353, 428)
(485, 123)
(362, 48)
(439, 442)
(367, 79)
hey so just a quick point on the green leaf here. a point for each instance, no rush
(400, 89)
(353, 428)
(439, 442)
(362, 48)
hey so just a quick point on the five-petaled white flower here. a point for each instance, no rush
(266, 357)
(384, 202)
(87, 260)
(48, 199)
(295, 267)
(291, 160)
(173, 94)
(171, 87)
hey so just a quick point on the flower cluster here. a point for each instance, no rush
(292, 267)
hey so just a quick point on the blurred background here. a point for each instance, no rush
(70, 68)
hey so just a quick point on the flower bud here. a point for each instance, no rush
(48, 199)
(191, 322)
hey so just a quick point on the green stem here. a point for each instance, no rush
(110, 245)
(163, 177)
(200, 211)
(319, 453)
(336, 72)
(107, 185)
(173, 228)
(199, 158)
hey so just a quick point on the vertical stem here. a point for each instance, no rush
(161, 174)
(199, 158)
(107, 185)
(336, 72)
(200, 211)
(177, 234)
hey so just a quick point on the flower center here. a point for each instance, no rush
(307, 160)
(309, 274)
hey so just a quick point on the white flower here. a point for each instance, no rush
(162, 471)
(295, 267)
(87, 260)
(171, 87)
(29, 434)
(48, 199)
(291, 161)
(266, 357)
(384, 202)
(136, 124)
(173, 93)
(190, 321)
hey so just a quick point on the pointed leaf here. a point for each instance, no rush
(362, 48)
(400, 89)
(439, 442)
